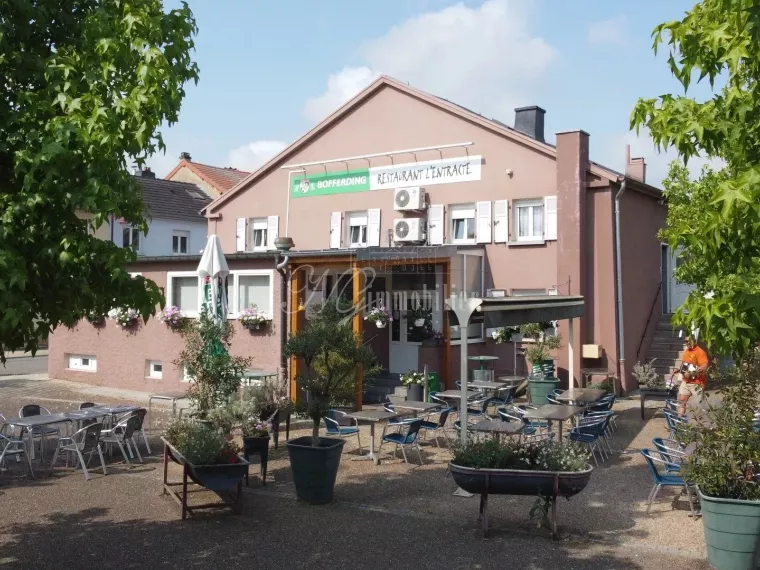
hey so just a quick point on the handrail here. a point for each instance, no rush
(649, 319)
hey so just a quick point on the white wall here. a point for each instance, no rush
(159, 238)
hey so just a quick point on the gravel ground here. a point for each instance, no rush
(122, 521)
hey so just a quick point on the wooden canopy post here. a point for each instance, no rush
(297, 322)
(358, 327)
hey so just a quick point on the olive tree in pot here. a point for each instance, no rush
(214, 373)
(330, 352)
(542, 380)
(725, 467)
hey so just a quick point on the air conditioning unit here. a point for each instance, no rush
(409, 199)
(409, 230)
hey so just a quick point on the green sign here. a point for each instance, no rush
(331, 183)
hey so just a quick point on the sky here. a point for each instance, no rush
(271, 70)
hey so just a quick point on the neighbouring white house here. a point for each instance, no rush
(176, 226)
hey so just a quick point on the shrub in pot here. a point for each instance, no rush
(542, 380)
(725, 467)
(413, 381)
(330, 352)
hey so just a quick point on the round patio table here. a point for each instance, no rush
(483, 360)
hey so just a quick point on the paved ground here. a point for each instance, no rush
(391, 516)
(25, 365)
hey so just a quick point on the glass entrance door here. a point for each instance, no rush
(407, 329)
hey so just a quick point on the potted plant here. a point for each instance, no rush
(506, 334)
(420, 316)
(253, 319)
(413, 381)
(547, 469)
(380, 316)
(208, 459)
(330, 352)
(96, 318)
(271, 404)
(652, 386)
(172, 317)
(725, 467)
(215, 374)
(542, 380)
(125, 318)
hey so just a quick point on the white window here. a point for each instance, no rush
(529, 220)
(254, 287)
(463, 223)
(528, 292)
(180, 240)
(130, 237)
(185, 377)
(184, 291)
(258, 233)
(357, 229)
(81, 362)
(154, 369)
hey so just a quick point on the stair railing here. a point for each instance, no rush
(649, 319)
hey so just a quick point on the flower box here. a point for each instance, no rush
(222, 479)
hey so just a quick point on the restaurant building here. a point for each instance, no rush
(402, 198)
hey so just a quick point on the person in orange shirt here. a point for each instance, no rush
(694, 373)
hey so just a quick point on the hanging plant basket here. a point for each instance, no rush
(419, 322)
(380, 324)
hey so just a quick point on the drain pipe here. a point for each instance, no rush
(282, 269)
(619, 285)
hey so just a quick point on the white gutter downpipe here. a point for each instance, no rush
(619, 283)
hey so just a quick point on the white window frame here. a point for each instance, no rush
(232, 299)
(459, 212)
(170, 275)
(354, 220)
(258, 224)
(527, 292)
(531, 203)
(151, 372)
(184, 376)
(179, 234)
(75, 362)
(132, 232)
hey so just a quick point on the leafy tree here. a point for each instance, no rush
(330, 351)
(715, 219)
(86, 84)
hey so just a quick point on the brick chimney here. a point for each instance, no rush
(530, 121)
(635, 168)
(145, 172)
(185, 156)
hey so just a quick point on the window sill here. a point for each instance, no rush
(472, 341)
(464, 242)
(526, 243)
(81, 370)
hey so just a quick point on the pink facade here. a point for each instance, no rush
(573, 254)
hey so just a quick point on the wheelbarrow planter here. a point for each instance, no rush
(551, 484)
(226, 480)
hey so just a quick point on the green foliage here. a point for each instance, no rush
(647, 376)
(543, 343)
(239, 415)
(715, 219)
(330, 351)
(199, 444)
(725, 462)
(215, 374)
(546, 455)
(86, 85)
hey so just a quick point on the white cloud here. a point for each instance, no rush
(613, 156)
(612, 31)
(483, 57)
(252, 155)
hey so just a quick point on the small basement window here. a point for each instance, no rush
(82, 362)
(154, 369)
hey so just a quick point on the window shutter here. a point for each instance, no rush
(335, 227)
(273, 223)
(373, 227)
(240, 234)
(435, 224)
(550, 217)
(501, 221)
(483, 222)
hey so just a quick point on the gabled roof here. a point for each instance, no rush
(380, 83)
(220, 178)
(173, 200)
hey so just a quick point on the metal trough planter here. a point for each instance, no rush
(226, 480)
(551, 484)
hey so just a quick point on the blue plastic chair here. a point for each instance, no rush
(405, 439)
(333, 427)
(670, 450)
(592, 434)
(439, 426)
(674, 421)
(666, 479)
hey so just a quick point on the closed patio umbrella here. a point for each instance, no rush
(213, 271)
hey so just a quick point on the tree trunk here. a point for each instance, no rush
(315, 435)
